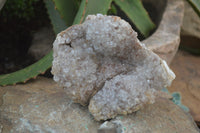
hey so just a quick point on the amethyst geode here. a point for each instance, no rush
(101, 62)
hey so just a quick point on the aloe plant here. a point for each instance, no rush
(195, 5)
(64, 13)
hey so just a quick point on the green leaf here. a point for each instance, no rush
(112, 10)
(196, 5)
(56, 20)
(138, 15)
(88, 7)
(29, 72)
(67, 10)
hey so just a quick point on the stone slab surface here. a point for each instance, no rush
(41, 106)
(161, 117)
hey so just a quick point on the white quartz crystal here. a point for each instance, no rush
(101, 62)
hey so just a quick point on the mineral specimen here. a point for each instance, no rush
(102, 62)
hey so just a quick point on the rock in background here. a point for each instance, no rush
(191, 22)
(41, 106)
(42, 42)
(165, 40)
(187, 70)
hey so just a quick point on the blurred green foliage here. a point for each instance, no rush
(21, 9)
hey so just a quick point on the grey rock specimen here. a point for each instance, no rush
(40, 106)
(103, 60)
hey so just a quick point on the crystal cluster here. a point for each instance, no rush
(102, 63)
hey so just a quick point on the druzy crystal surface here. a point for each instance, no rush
(102, 63)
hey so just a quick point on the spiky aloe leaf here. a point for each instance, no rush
(88, 7)
(29, 72)
(56, 20)
(112, 10)
(196, 5)
(67, 10)
(138, 15)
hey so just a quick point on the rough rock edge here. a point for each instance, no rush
(166, 39)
